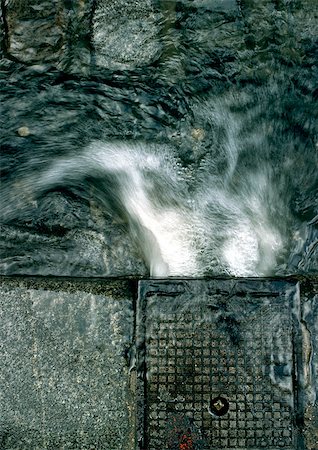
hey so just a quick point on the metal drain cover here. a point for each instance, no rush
(217, 365)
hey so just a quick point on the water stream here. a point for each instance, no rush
(182, 231)
(206, 168)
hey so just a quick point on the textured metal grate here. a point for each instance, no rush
(219, 364)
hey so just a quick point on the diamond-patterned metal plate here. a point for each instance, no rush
(217, 365)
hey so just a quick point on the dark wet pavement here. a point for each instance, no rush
(124, 365)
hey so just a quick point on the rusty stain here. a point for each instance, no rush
(186, 442)
(181, 435)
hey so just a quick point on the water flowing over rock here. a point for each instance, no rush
(158, 138)
(243, 73)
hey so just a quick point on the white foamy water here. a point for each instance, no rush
(214, 229)
(159, 221)
(159, 228)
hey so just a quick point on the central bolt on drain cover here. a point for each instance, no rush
(219, 406)
(216, 365)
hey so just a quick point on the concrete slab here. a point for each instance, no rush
(64, 377)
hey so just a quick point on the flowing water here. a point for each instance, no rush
(205, 171)
(184, 231)
(170, 138)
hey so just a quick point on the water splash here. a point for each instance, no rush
(146, 186)
(210, 229)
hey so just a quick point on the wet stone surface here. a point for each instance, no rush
(220, 365)
(48, 33)
(64, 375)
(310, 351)
(35, 30)
(220, 82)
(229, 88)
(125, 34)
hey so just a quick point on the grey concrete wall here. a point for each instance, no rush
(64, 378)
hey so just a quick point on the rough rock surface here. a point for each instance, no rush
(64, 375)
(125, 33)
(66, 237)
(48, 32)
(35, 30)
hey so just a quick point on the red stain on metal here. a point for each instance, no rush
(186, 442)
(182, 434)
